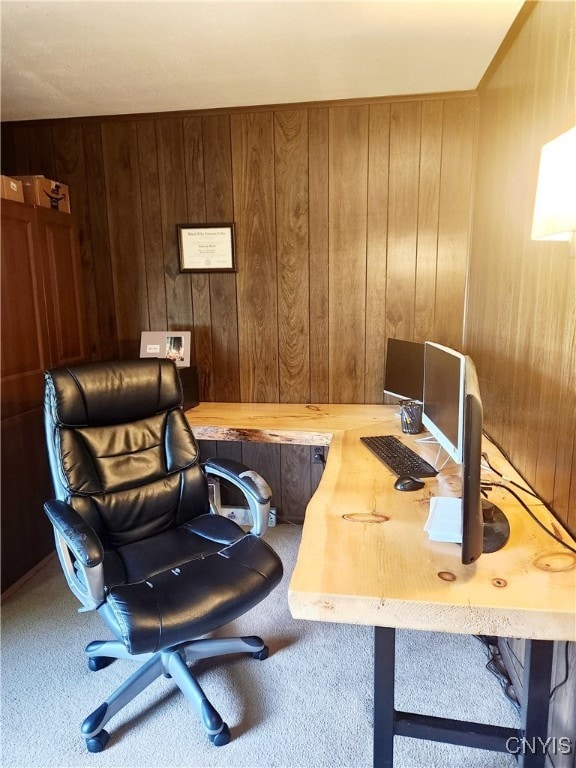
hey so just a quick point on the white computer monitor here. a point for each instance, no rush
(444, 393)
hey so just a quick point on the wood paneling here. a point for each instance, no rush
(253, 181)
(318, 244)
(152, 225)
(174, 210)
(121, 168)
(405, 124)
(454, 219)
(223, 322)
(428, 217)
(95, 250)
(351, 225)
(291, 177)
(521, 318)
(376, 247)
(351, 222)
(521, 313)
(348, 198)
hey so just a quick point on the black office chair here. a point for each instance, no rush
(136, 536)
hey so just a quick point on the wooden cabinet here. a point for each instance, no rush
(43, 326)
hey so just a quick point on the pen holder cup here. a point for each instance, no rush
(411, 417)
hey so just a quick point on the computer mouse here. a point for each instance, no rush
(408, 483)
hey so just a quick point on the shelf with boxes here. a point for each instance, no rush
(36, 190)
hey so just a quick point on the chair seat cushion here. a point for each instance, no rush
(179, 585)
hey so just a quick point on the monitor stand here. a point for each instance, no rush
(435, 463)
(496, 527)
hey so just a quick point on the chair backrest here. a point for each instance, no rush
(121, 451)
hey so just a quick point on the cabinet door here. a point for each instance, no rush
(25, 348)
(26, 533)
(27, 536)
(42, 327)
(63, 287)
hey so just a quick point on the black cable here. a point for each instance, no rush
(566, 673)
(513, 482)
(532, 515)
(497, 667)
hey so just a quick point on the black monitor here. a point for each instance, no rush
(453, 415)
(404, 371)
(484, 526)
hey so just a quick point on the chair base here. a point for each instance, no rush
(171, 662)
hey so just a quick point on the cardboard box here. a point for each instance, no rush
(38, 190)
(11, 189)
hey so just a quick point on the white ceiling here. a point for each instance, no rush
(70, 58)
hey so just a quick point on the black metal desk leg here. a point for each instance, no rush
(384, 652)
(536, 705)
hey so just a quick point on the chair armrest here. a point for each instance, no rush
(80, 552)
(255, 489)
(80, 537)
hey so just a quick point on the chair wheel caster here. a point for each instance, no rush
(222, 738)
(99, 662)
(98, 742)
(261, 655)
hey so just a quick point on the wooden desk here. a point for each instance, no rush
(365, 559)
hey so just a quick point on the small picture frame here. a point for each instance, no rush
(206, 247)
(173, 345)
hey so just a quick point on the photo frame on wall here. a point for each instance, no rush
(173, 345)
(206, 247)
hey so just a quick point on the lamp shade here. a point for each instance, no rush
(555, 206)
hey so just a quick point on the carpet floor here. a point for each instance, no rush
(308, 705)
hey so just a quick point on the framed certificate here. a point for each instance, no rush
(206, 247)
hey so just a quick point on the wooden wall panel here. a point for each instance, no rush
(428, 215)
(125, 227)
(521, 316)
(521, 313)
(149, 178)
(348, 195)
(253, 174)
(174, 211)
(40, 150)
(95, 249)
(199, 283)
(225, 364)
(405, 121)
(458, 134)
(70, 164)
(376, 249)
(318, 244)
(291, 182)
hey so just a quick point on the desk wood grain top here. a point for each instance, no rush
(364, 556)
(307, 424)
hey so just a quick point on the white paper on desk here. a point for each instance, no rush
(444, 521)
